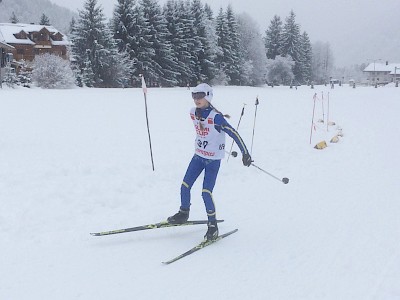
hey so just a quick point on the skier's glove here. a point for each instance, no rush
(246, 159)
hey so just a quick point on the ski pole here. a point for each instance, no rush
(144, 87)
(312, 120)
(237, 128)
(254, 126)
(323, 110)
(285, 180)
(327, 116)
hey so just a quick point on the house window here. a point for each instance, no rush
(21, 51)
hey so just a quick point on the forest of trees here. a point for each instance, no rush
(183, 43)
(284, 40)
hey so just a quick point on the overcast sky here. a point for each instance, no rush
(357, 30)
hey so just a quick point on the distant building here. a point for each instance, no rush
(29, 40)
(382, 73)
(396, 74)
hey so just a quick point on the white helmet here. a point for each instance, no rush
(204, 88)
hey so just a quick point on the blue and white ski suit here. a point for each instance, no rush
(209, 150)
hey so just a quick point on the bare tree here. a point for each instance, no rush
(322, 63)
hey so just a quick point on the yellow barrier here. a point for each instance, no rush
(335, 139)
(321, 145)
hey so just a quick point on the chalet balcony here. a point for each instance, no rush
(43, 44)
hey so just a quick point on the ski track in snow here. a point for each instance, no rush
(77, 161)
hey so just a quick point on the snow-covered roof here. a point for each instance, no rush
(3, 44)
(382, 67)
(8, 31)
(396, 71)
(6, 46)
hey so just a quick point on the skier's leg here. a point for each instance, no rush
(210, 177)
(193, 171)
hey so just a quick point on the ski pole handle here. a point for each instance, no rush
(233, 153)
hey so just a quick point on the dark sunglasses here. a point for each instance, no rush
(198, 95)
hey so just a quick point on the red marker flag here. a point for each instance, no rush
(144, 87)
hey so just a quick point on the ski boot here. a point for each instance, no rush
(212, 232)
(180, 217)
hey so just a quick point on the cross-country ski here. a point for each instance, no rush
(163, 224)
(200, 246)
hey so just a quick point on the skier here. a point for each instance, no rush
(210, 126)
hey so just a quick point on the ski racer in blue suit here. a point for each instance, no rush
(211, 127)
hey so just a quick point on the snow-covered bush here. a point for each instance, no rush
(24, 74)
(220, 78)
(52, 72)
(279, 70)
(10, 77)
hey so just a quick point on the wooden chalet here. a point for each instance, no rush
(29, 40)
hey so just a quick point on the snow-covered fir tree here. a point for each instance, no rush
(175, 28)
(118, 70)
(110, 67)
(208, 11)
(44, 20)
(87, 38)
(180, 25)
(234, 61)
(212, 49)
(88, 77)
(122, 24)
(125, 26)
(306, 58)
(72, 24)
(52, 72)
(13, 18)
(141, 44)
(223, 58)
(291, 43)
(207, 42)
(192, 44)
(273, 38)
(162, 69)
(195, 42)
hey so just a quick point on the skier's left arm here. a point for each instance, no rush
(222, 124)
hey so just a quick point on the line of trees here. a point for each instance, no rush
(183, 43)
(287, 49)
(44, 20)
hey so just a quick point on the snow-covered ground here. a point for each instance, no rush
(77, 161)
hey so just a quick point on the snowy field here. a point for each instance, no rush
(77, 161)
